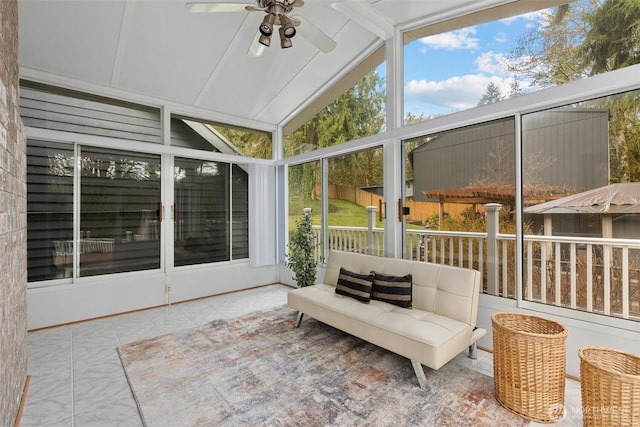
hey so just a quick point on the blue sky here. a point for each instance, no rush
(450, 72)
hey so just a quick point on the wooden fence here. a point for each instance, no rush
(419, 212)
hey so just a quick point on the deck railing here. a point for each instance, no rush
(596, 275)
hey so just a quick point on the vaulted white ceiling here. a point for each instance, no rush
(158, 49)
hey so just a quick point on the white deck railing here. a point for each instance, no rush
(590, 274)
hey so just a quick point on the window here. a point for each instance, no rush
(356, 113)
(214, 137)
(305, 192)
(95, 211)
(519, 53)
(239, 212)
(581, 178)
(471, 68)
(451, 176)
(119, 211)
(50, 172)
(118, 227)
(355, 187)
(210, 212)
(354, 184)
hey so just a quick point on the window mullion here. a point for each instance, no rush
(77, 156)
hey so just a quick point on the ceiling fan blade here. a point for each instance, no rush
(256, 48)
(254, 8)
(205, 7)
(315, 36)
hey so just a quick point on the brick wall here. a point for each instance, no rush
(13, 222)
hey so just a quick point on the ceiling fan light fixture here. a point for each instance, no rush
(266, 28)
(285, 42)
(275, 16)
(287, 28)
(264, 40)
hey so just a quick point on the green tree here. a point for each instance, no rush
(584, 38)
(624, 135)
(301, 255)
(356, 113)
(491, 94)
(613, 38)
(250, 143)
(579, 39)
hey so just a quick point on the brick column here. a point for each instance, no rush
(13, 222)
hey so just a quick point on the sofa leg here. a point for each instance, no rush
(299, 319)
(473, 351)
(422, 380)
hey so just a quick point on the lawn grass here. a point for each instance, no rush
(341, 213)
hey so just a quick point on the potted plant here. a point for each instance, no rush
(300, 258)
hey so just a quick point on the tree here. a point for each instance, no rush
(491, 94)
(356, 113)
(585, 38)
(301, 258)
(612, 40)
(548, 55)
(624, 135)
(249, 143)
(514, 88)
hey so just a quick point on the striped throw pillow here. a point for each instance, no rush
(355, 285)
(396, 290)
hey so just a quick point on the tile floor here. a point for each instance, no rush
(77, 379)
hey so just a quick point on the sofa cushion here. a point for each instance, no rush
(355, 285)
(396, 290)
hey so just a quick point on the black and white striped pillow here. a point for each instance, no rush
(355, 285)
(396, 290)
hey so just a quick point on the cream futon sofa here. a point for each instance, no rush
(440, 325)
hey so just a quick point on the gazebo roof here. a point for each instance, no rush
(613, 198)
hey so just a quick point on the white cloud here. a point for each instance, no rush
(491, 62)
(453, 40)
(537, 16)
(500, 37)
(455, 93)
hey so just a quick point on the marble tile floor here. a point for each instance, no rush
(77, 379)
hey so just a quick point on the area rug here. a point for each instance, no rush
(261, 370)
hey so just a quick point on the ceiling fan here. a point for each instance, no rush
(277, 14)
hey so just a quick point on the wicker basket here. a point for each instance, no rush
(529, 364)
(610, 386)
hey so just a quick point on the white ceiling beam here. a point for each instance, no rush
(367, 17)
(123, 39)
(456, 11)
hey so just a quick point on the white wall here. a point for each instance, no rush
(581, 333)
(110, 294)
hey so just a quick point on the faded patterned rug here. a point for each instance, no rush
(260, 370)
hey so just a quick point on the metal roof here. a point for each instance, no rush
(613, 198)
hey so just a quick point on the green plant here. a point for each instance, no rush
(300, 258)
